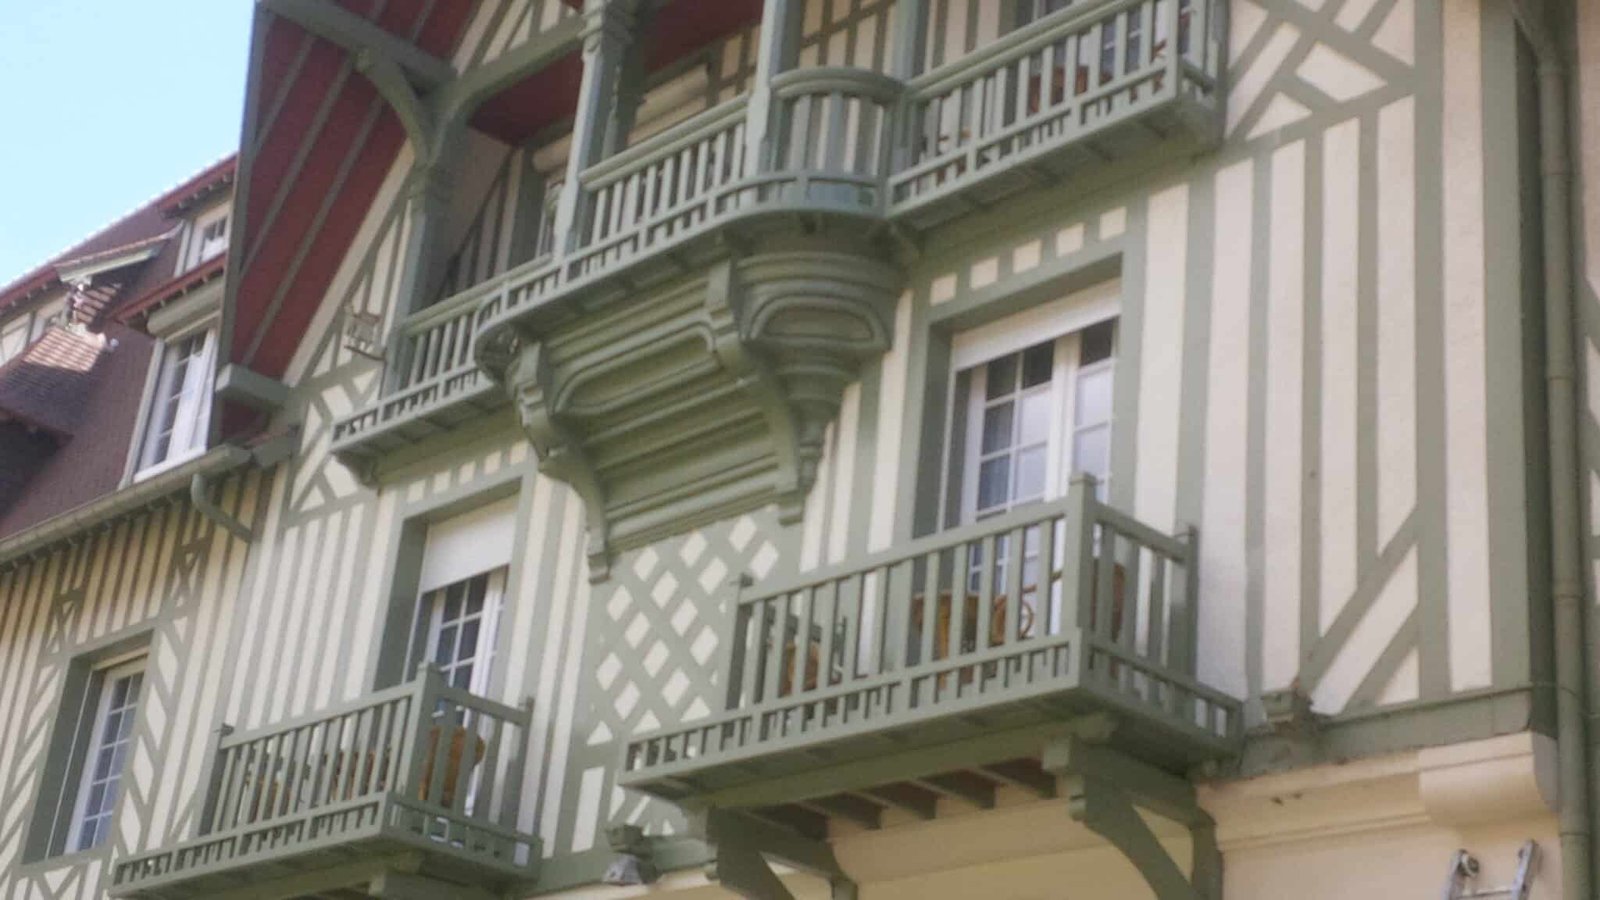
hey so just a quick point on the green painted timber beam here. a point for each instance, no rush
(350, 31)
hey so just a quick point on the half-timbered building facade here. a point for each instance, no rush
(826, 448)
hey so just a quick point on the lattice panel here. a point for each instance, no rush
(656, 647)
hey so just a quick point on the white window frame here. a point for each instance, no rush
(1065, 319)
(431, 607)
(192, 418)
(99, 693)
(202, 249)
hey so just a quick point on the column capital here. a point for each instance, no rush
(608, 20)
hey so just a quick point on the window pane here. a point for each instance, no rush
(1038, 364)
(994, 483)
(445, 654)
(1030, 473)
(1097, 342)
(475, 589)
(469, 639)
(462, 677)
(1036, 415)
(1091, 452)
(1094, 398)
(1002, 377)
(997, 425)
(452, 601)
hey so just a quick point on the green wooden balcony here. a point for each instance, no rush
(1091, 84)
(415, 781)
(917, 673)
(435, 384)
(1098, 82)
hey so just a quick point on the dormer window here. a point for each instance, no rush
(210, 238)
(181, 405)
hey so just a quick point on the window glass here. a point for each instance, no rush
(210, 240)
(182, 401)
(109, 739)
(460, 620)
(1032, 418)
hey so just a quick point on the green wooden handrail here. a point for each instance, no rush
(659, 146)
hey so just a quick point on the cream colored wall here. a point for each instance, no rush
(1384, 828)
(167, 579)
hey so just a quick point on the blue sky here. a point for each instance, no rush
(105, 105)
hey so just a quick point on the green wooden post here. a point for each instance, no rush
(412, 752)
(608, 31)
(737, 645)
(1077, 561)
(777, 51)
(1183, 615)
(211, 777)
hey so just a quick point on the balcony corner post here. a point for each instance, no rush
(738, 643)
(1078, 553)
(211, 778)
(609, 29)
(910, 48)
(1183, 619)
(428, 192)
(777, 52)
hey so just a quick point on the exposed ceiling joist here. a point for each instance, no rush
(357, 35)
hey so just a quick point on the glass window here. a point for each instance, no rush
(1033, 417)
(458, 623)
(181, 407)
(115, 693)
(211, 238)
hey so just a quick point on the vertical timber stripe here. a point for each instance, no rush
(1284, 377)
(1465, 351)
(1222, 628)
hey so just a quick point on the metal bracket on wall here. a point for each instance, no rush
(1461, 884)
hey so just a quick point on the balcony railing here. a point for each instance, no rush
(1097, 80)
(422, 766)
(1060, 80)
(1055, 610)
(435, 370)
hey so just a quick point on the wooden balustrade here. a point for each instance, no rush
(422, 758)
(664, 186)
(1060, 79)
(1051, 597)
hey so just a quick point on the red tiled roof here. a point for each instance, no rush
(47, 384)
(89, 464)
(148, 298)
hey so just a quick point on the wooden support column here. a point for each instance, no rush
(609, 27)
(428, 191)
(777, 52)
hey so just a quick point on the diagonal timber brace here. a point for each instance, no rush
(741, 845)
(1106, 790)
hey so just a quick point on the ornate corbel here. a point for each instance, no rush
(529, 380)
(796, 463)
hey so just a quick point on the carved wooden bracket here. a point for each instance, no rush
(740, 846)
(1105, 790)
